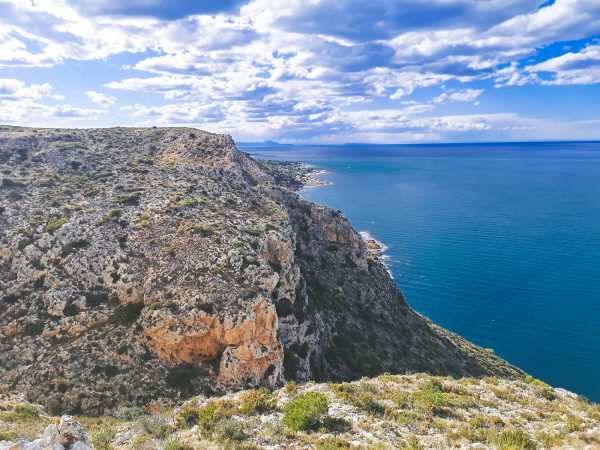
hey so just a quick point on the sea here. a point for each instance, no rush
(499, 243)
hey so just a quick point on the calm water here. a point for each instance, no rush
(499, 243)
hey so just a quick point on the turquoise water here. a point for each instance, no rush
(499, 243)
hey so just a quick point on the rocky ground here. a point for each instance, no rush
(387, 412)
(140, 264)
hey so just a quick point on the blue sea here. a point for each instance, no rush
(497, 242)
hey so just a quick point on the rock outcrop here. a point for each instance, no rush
(147, 263)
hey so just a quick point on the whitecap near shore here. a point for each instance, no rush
(376, 249)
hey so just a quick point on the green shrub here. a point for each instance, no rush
(291, 388)
(156, 306)
(27, 413)
(513, 440)
(572, 424)
(431, 398)
(188, 416)
(306, 411)
(8, 435)
(230, 429)
(257, 401)
(214, 411)
(332, 443)
(156, 425)
(115, 212)
(56, 224)
(126, 314)
(175, 444)
(128, 413)
(72, 247)
(130, 199)
(360, 396)
(191, 201)
(34, 328)
(365, 402)
(103, 438)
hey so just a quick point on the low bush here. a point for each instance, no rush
(213, 412)
(230, 429)
(102, 438)
(126, 314)
(156, 425)
(257, 401)
(55, 224)
(306, 411)
(128, 413)
(361, 397)
(8, 435)
(188, 416)
(175, 444)
(115, 212)
(27, 412)
(332, 443)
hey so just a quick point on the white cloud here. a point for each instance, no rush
(571, 68)
(103, 100)
(297, 68)
(23, 103)
(12, 89)
(467, 95)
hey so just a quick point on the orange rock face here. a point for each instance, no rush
(247, 344)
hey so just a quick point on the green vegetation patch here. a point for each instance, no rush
(257, 401)
(55, 224)
(213, 412)
(306, 412)
(361, 396)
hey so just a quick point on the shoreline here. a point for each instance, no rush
(300, 176)
(296, 176)
(311, 179)
(376, 249)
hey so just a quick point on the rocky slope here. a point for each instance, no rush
(139, 264)
(387, 412)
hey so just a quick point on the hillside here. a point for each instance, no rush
(388, 412)
(161, 263)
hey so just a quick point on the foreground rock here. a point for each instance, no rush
(388, 412)
(67, 435)
(139, 264)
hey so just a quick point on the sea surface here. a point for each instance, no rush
(497, 242)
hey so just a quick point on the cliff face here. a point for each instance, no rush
(147, 263)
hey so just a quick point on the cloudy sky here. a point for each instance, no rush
(323, 71)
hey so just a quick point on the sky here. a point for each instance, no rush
(307, 71)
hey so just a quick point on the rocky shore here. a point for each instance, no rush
(375, 249)
(294, 175)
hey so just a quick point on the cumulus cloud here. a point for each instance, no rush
(467, 95)
(300, 68)
(101, 99)
(24, 103)
(12, 89)
(571, 68)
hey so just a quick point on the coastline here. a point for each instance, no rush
(299, 176)
(376, 249)
(311, 178)
(296, 176)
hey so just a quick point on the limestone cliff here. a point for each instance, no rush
(163, 262)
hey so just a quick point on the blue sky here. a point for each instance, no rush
(322, 71)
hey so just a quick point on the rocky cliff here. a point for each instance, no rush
(146, 263)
